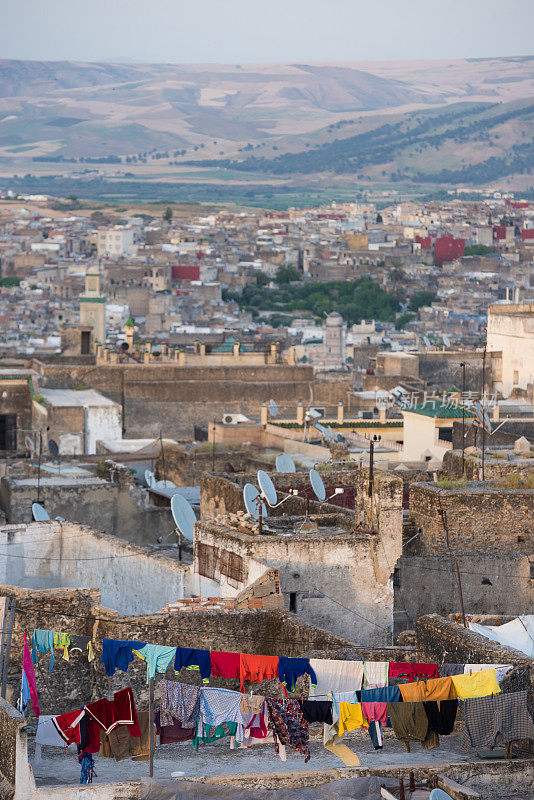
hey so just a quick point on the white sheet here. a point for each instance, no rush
(519, 633)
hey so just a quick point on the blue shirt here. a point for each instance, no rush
(190, 658)
(117, 654)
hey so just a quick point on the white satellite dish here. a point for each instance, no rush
(183, 515)
(312, 413)
(30, 446)
(273, 408)
(446, 340)
(317, 484)
(426, 341)
(267, 487)
(250, 496)
(149, 479)
(164, 485)
(285, 463)
(59, 519)
(40, 514)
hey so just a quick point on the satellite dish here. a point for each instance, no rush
(285, 463)
(312, 413)
(317, 484)
(267, 487)
(326, 432)
(446, 340)
(30, 446)
(40, 514)
(426, 341)
(163, 484)
(59, 519)
(250, 495)
(125, 346)
(273, 408)
(53, 448)
(149, 479)
(183, 516)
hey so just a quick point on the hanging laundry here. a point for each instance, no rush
(382, 694)
(158, 657)
(489, 720)
(108, 714)
(289, 728)
(290, 669)
(68, 725)
(179, 702)
(82, 643)
(89, 739)
(28, 688)
(441, 716)
(335, 676)
(501, 670)
(257, 668)
(199, 660)
(118, 654)
(88, 768)
(120, 745)
(317, 711)
(410, 671)
(375, 673)
(410, 724)
(222, 705)
(224, 665)
(210, 733)
(479, 684)
(448, 670)
(252, 704)
(43, 642)
(331, 739)
(375, 712)
(434, 689)
(351, 717)
(62, 642)
(172, 733)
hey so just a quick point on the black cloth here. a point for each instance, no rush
(441, 716)
(450, 670)
(79, 642)
(317, 710)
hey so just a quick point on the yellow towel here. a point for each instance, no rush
(351, 717)
(62, 642)
(479, 684)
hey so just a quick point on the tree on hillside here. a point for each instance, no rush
(285, 275)
(167, 214)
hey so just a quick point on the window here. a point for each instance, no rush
(86, 343)
(293, 602)
(231, 565)
(8, 431)
(516, 377)
(207, 560)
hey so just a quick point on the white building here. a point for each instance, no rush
(115, 242)
(511, 332)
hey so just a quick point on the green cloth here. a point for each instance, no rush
(211, 734)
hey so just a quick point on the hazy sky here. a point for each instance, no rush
(245, 31)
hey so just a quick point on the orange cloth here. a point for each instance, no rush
(257, 668)
(433, 689)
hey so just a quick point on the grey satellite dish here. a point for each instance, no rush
(164, 485)
(426, 341)
(317, 484)
(53, 448)
(59, 519)
(446, 340)
(149, 478)
(326, 432)
(285, 463)
(183, 516)
(250, 495)
(40, 514)
(30, 447)
(267, 487)
(273, 408)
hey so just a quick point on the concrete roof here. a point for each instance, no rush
(71, 397)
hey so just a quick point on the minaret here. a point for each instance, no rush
(129, 331)
(93, 305)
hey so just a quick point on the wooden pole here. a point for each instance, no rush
(151, 725)
(7, 650)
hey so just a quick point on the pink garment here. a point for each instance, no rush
(375, 712)
(27, 667)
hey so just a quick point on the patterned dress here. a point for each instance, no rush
(287, 723)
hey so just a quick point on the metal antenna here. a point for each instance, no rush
(162, 453)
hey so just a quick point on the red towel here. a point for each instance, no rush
(109, 714)
(412, 672)
(224, 665)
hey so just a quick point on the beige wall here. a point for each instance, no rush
(511, 331)
(421, 434)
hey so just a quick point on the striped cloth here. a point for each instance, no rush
(499, 718)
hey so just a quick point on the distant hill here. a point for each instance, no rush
(382, 121)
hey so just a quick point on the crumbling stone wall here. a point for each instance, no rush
(480, 518)
(494, 468)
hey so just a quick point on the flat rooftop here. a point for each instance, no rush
(72, 398)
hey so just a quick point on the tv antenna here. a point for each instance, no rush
(285, 463)
(40, 514)
(184, 518)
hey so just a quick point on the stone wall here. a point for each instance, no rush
(506, 435)
(481, 518)
(495, 467)
(51, 554)
(178, 398)
(185, 468)
(428, 585)
(16, 779)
